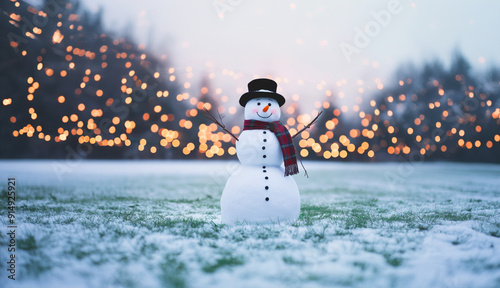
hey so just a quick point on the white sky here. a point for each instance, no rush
(301, 41)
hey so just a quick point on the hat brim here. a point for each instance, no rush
(255, 94)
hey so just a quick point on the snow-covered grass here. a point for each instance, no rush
(157, 224)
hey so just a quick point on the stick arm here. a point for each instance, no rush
(308, 125)
(221, 124)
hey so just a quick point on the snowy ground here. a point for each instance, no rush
(157, 224)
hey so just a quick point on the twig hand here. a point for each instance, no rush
(308, 125)
(220, 123)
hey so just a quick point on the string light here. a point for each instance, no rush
(375, 130)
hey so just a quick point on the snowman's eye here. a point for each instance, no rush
(258, 103)
(269, 104)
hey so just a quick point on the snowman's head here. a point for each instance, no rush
(262, 109)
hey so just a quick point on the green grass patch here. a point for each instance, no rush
(392, 260)
(309, 214)
(173, 271)
(225, 261)
(292, 261)
(358, 219)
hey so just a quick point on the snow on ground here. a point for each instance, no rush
(157, 224)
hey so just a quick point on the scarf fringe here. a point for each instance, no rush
(291, 169)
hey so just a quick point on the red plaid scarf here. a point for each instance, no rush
(284, 138)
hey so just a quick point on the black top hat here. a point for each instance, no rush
(261, 87)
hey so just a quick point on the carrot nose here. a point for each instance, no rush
(266, 108)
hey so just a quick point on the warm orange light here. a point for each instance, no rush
(365, 122)
(57, 37)
(304, 153)
(406, 150)
(329, 125)
(7, 101)
(96, 112)
(193, 112)
(154, 128)
(343, 154)
(354, 133)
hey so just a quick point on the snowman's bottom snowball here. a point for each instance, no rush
(245, 198)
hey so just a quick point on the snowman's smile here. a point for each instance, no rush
(263, 116)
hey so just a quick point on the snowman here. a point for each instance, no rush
(262, 190)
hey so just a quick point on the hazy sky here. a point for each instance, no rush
(303, 40)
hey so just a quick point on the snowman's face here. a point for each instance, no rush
(262, 109)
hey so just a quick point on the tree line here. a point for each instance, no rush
(70, 88)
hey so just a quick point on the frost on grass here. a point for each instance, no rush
(157, 224)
